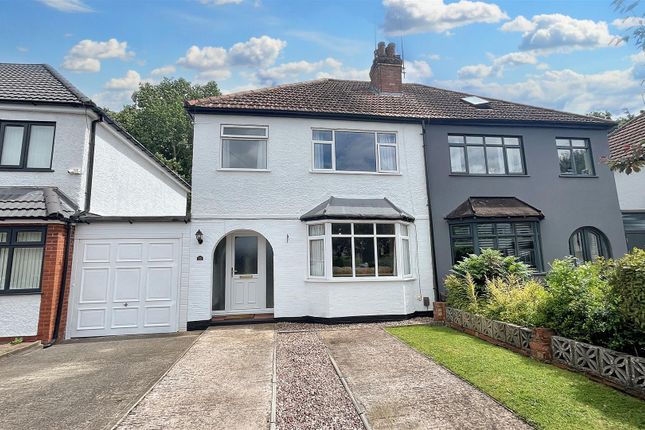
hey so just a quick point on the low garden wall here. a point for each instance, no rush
(619, 370)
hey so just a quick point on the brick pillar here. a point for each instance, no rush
(53, 259)
(439, 311)
(540, 344)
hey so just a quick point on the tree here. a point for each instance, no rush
(636, 33)
(158, 120)
(634, 160)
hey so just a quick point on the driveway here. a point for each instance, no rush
(83, 384)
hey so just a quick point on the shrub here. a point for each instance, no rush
(516, 301)
(627, 281)
(461, 293)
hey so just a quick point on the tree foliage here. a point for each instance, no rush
(158, 120)
(635, 34)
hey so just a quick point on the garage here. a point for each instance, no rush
(125, 281)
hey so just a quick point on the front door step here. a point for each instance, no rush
(241, 319)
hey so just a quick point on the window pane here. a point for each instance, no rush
(341, 248)
(364, 256)
(526, 246)
(575, 244)
(4, 258)
(578, 143)
(317, 230)
(323, 135)
(593, 242)
(504, 229)
(486, 243)
(460, 230)
(514, 158)
(355, 151)
(457, 159)
(317, 257)
(565, 161)
(344, 228)
(386, 137)
(12, 145)
(476, 162)
(244, 154)
(322, 156)
(485, 229)
(511, 141)
(462, 248)
(476, 140)
(25, 268)
(404, 230)
(583, 163)
(562, 142)
(455, 139)
(246, 255)
(524, 229)
(386, 256)
(506, 245)
(363, 228)
(495, 155)
(29, 236)
(493, 140)
(406, 257)
(245, 131)
(41, 139)
(386, 229)
(4, 236)
(387, 159)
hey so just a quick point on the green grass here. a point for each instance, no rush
(542, 394)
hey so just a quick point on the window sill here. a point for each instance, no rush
(343, 172)
(243, 170)
(18, 169)
(357, 280)
(483, 175)
(578, 176)
(19, 293)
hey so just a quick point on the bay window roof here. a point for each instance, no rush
(342, 208)
(494, 207)
(33, 202)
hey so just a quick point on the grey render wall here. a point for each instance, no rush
(567, 203)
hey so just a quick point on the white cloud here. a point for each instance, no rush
(475, 71)
(292, 71)
(497, 66)
(417, 71)
(85, 56)
(213, 75)
(349, 73)
(163, 71)
(545, 34)
(208, 57)
(67, 5)
(113, 100)
(420, 16)
(629, 22)
(22, 49)
(220, 2)
(257, 51)
(130, 81)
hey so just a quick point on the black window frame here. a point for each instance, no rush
(504, 147)
(474, 236)
(605, 247)
(22, 166)
(12, 244)
(570, 148)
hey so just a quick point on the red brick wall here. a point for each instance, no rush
(386, 78)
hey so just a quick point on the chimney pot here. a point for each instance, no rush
(387, 69)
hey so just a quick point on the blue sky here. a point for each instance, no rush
(557, 54)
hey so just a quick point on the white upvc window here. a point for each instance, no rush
(354, 151)
(244, 147)
(359, 250)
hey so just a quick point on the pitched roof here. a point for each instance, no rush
(494, 207)
(356, 98)
(623, 138)
(341, 208)
(41, 83)
(32, 202)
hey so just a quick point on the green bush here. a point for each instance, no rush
(627, 280)
(461, 293)
(516, 301)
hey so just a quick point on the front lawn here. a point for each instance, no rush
(544, 395)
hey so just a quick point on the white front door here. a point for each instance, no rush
(248, 271)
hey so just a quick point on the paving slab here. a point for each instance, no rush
(223, 381)
(400, 388)
(86, 384)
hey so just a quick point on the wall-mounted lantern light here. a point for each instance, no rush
(199, 236)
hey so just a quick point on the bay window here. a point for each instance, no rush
(21, 259)
(354, 151)
(244, 147)
(26, 145)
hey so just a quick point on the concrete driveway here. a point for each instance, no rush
(83, 384)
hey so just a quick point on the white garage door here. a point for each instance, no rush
(125, 286)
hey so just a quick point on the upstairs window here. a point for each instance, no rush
(26, 145)
(354, 151)
(575, 157)
(486, 155)
(244, 147)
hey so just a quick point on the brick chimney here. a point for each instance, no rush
(387, 69)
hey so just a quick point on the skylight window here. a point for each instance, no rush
(478, 102)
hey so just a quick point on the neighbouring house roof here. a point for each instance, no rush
(494, 207)
(41, 83)
(31, 202)
(340, 208)
(622, 139)
(357, 98)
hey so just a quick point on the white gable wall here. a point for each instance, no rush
(631, 191)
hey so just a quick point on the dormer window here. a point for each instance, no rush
(26, 145)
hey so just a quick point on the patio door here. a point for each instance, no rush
(247, 262)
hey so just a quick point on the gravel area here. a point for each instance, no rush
(310, 394)
(297, 326)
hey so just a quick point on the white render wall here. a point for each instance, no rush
(271, 203)
(19, 315)
(631, 190)
(70, 149)
(127, 183)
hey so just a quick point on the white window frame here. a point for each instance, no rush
(377, 151)
(264, 137)
(322, 237)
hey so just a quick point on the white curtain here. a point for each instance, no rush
(386, 138)
(406, 257)
(388, 158)
(317, 257)
(317, 230)
(41, 140)
(319, 155)
(262, 154)
(25, 268)
(4, 256)
(12, 145)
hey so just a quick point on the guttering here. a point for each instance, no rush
(89, 219)
(90, 163)
(435, 273)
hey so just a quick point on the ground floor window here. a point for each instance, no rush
(359, 250)
(588, 243)
(520, 239)
(21, 259)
